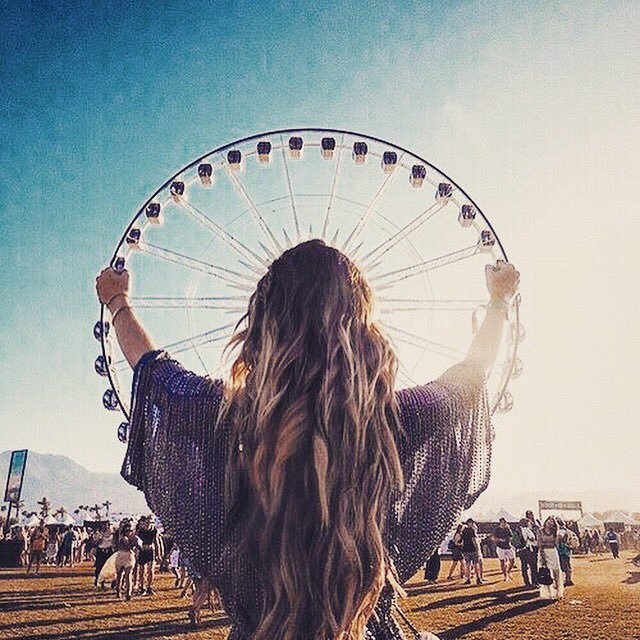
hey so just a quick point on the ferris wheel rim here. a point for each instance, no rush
(112, 376)
(276, 132)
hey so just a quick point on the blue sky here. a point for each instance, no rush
(531, 106)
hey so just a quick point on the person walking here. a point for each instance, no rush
(67, 547)
(549, 572)
(471, 552)
(455, 545)
(596, 542)
(293, 486)
(148, 535)
(51, 550)
(586, 541)
(103, 549)
(613, 540)
(432, 567)
(527, 550)
(504, 548)
(124, 544)
(37, 545)
(567, 542)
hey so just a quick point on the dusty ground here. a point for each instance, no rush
(604, 604)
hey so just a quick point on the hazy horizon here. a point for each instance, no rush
(533, 109)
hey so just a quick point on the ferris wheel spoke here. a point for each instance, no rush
(290, 191)
(287, 238)
(222, 303)
(255, 214)
(393, 305)
(334, 183)
(235, 279)
(364, 219)
(385, 280)
(405, 376)
(414, 340)
(240, 248)
(377, 252)
(218, 334)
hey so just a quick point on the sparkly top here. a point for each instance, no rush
(177, 456)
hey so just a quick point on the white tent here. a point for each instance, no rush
(509, 517)
(490, 516)
(589, 521)
(67, 520)
(33, 521)
(50, 520)
(619, 517)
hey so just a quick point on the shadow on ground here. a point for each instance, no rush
(508, 614)
(633, 578)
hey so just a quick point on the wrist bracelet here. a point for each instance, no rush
(115, 315)
(499, 304)
(112, 298)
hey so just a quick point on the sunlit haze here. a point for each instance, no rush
(534, 110)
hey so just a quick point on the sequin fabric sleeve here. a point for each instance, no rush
(176, 455)
(446, 455)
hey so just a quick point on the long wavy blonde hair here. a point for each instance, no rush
(314, 421)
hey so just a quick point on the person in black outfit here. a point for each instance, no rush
(148, 535)
(527, 550)
(432, 568)
(471, 551)
(104, 548)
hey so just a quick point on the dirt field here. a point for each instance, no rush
(604, 605)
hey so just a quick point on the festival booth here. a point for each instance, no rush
(620, 522)
(93, 525)
(590, 522)
(67, 521)
(32, 521)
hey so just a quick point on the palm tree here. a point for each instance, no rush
(45, 505)
(96, 509)
(60, 513)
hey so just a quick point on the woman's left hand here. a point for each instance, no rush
(111, 283)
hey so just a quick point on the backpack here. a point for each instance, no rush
(573, 542)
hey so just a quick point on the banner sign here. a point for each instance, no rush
(15, 477)
(555, 505)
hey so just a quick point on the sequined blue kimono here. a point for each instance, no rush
(177, 456)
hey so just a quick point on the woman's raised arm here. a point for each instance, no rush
(113, 288)
(502, 283)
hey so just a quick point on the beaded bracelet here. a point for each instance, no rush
(499, 304)
(112, 298)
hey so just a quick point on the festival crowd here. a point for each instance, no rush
(544, 550)
(135, 548)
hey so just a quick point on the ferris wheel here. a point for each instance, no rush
(199, 244)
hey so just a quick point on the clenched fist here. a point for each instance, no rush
(111, 283)
(502, 280)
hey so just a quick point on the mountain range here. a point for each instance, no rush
(67, 484)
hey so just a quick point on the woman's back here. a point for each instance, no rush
(307, 488)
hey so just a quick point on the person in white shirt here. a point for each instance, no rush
(527, 550)
(104, 549)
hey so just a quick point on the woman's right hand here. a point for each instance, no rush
(502, 280)
(111, 284)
